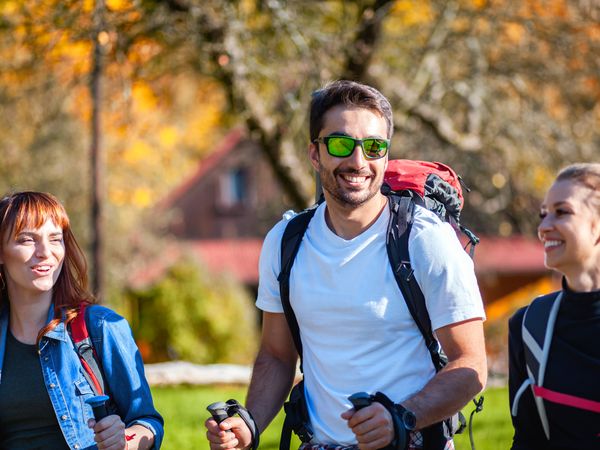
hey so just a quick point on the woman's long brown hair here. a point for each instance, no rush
(30, 209)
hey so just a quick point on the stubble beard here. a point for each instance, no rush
(344, 197)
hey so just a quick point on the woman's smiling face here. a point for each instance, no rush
(570, 228)
(32, 259)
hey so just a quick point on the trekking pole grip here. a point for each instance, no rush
(360, 400)
(218, 411)
(98, 404)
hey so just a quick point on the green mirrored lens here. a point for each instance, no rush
(340, 146)
(375, 148)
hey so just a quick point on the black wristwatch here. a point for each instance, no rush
(408, 418)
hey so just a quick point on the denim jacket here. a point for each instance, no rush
(67, 387)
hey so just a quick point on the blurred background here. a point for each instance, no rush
(175, 132)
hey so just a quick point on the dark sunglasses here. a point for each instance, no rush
(343, 146)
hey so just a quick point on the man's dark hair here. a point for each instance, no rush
(351, 94)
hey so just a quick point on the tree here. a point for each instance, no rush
(497, 89)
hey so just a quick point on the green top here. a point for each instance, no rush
(27, 419)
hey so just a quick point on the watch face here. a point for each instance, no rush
(409, 419)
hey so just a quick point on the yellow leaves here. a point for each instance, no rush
(79, 103)
(143, 97)
(167, 136)
(514, 32)
(536, 9)
(8, 8)
(506, 306)
(154, 136)
(142, 51)
(541, 179)
(479, 4)
(202, 122)
(413, 12)
(140, 197)
(138, 152)
(72, 58)
(554, 103)
(119, 5)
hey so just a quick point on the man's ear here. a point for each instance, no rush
(313, 155)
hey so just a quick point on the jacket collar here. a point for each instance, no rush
(60, 331)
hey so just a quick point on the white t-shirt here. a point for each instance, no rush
(357, 333)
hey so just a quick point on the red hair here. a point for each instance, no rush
(31, 210)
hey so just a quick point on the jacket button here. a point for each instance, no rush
(76, 446)
(63, 417)
(52, 385)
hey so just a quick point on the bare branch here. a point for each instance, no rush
(360, 52)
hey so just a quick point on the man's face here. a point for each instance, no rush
(353, 180)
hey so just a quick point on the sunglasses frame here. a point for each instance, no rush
(325, 140)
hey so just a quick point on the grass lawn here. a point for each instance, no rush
(184, 411)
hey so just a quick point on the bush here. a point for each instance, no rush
(195, 316)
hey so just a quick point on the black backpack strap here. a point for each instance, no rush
(296, 413)
(296, 418)
(401, 220)
(290, 244)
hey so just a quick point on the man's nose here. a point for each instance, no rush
(357, 157)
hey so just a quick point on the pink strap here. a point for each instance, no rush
(566, 399)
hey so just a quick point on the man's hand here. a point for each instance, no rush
(372, 425)
(232, 433)
(109, 433)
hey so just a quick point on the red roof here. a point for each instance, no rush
(514, 254)
(239, 257)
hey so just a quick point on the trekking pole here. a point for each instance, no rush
(360, 400)
(98, 404)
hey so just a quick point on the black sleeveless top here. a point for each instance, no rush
(27, 418)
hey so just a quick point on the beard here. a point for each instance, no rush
(347, 196)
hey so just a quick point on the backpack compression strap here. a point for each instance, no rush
(85, 350)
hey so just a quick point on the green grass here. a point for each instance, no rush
(184, 411)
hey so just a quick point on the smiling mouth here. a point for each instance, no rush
(42, 269)
(353, 178)
(551, 244)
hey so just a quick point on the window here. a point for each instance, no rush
(233, 188)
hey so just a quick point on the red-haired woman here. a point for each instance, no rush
(554, 370)
(43, 282)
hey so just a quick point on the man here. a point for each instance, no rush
(357, 333)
